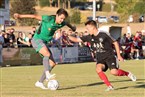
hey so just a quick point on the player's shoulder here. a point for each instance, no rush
(104, 33)
(48, 17)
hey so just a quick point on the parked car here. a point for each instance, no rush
(102, 19)
(130, 19)
(114, 19)
(91, 18)
(79, 7)
(141, 18)
(89, 7)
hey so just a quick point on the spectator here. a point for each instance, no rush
(6, 40)
(65, 40)
(1, 47)
(24, 41)
(123, 40)
(12, 37)
(33, 31)
(129, 30)
(137, 46)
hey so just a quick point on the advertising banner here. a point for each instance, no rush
(84, 54)
(70, 54)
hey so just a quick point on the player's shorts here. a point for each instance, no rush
(38, 44)
(110, 62)
(138, 47)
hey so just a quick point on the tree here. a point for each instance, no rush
(75, 17)
(69, 4)
(139, 7)
(51, 2)
(58, 3)
(23, 7)
(44, 3)
(125, 8)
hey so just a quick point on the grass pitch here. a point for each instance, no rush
(76, 80)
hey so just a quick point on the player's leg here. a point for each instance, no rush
(52, 62)
(100, 68)
(48, 62)
(41, 47)
(113, 65)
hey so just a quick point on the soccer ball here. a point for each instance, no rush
(53, 85)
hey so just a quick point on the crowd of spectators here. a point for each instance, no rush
(16, 39)
(130, 45)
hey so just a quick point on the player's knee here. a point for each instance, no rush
(52, 63)
(114, 72)
(98, 68)
(47, 54)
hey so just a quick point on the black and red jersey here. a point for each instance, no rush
(102, 43)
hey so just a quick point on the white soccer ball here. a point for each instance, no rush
(53, 85)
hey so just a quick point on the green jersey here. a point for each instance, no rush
(48, 28)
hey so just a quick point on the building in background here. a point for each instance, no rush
(4, 12)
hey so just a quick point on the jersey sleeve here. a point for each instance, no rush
(84, 38)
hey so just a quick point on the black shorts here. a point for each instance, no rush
(110, 62)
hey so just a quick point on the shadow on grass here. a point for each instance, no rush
(86, 85)
(138, 85)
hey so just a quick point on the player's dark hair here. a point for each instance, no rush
(91, 22)
(62, 11)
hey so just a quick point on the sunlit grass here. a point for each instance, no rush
(76, 80)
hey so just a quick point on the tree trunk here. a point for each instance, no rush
(50, 1)
(63, 5)
(68, 4)
(58, 3)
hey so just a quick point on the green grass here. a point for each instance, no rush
(76, 80)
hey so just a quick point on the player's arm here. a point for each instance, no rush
(38, 17)
(74, 39)
(70, 26)
(116, 45)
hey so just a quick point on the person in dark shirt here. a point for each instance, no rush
(6, 40)
(105, 56)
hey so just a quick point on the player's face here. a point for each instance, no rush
(90, 29)
(60, 18)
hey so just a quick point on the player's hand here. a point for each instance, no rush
(120, 58)
(16, 16)
(73, 28)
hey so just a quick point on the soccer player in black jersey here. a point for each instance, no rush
(105, 56)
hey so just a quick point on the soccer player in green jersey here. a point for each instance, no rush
(44, 34)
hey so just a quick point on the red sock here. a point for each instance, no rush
(122, 73)
(104, 78)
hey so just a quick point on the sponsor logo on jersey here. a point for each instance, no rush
(113, 64)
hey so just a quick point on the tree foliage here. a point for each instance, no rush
(44, 3)
(140, 7)
(75, 17)
(23, 7)
(128, 7)
(125, 6)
